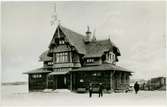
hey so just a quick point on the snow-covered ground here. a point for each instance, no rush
(18, 96)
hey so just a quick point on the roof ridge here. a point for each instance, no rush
(112, 43)
(76, 39)
(71, 30)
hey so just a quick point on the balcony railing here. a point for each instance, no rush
(67, 64)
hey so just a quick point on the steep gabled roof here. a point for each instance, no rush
(44, 56)
(97, 48)
(91, 49)
(75, 39)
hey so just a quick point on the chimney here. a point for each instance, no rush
(88, 35)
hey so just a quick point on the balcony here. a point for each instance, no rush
(67, 64)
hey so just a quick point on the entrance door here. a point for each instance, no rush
(61, 82)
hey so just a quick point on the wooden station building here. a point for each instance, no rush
(73, 61)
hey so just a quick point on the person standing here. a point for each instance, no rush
(90, 90)
(136, 87)
(100, 90)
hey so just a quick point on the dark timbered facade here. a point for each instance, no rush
(73, 61)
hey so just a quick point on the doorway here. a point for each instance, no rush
(61, 82)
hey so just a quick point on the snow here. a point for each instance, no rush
(19, 96)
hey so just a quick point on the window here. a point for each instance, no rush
(61, 42)
(50, 63)
(59, 69)
(90, 60)
(37, 76)
(111, 57)
(62, 57)
(81, 80)
(96, 74)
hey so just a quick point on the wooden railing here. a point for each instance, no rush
(70, 64)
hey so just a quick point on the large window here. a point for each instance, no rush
(62, 57)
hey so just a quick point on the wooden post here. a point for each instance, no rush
(111, 76)
(56, 81)
(128, 78)
(119, 80)
(126, 81)
(54, 58)
(47, 81)
(74, 81)
(71, 82)
(122, 78)
(70, 56)
(29, 80)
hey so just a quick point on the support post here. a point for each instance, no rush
(119, 80)
(71, 82)
(111, 76)
(47, 81)
(56, 78)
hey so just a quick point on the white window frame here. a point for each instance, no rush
(111, 57)
(61, 42)
(36, 76)
(62, 57)
(90, 60)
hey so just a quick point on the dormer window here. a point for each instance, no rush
(90, 60)
(110, 57)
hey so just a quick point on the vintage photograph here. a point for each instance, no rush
(65, 53)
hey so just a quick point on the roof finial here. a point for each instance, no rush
(94, 35)
(55, 16)
(59, 22)
(109, 37)
(88, 30)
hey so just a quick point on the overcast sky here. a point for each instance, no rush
(137, 28)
